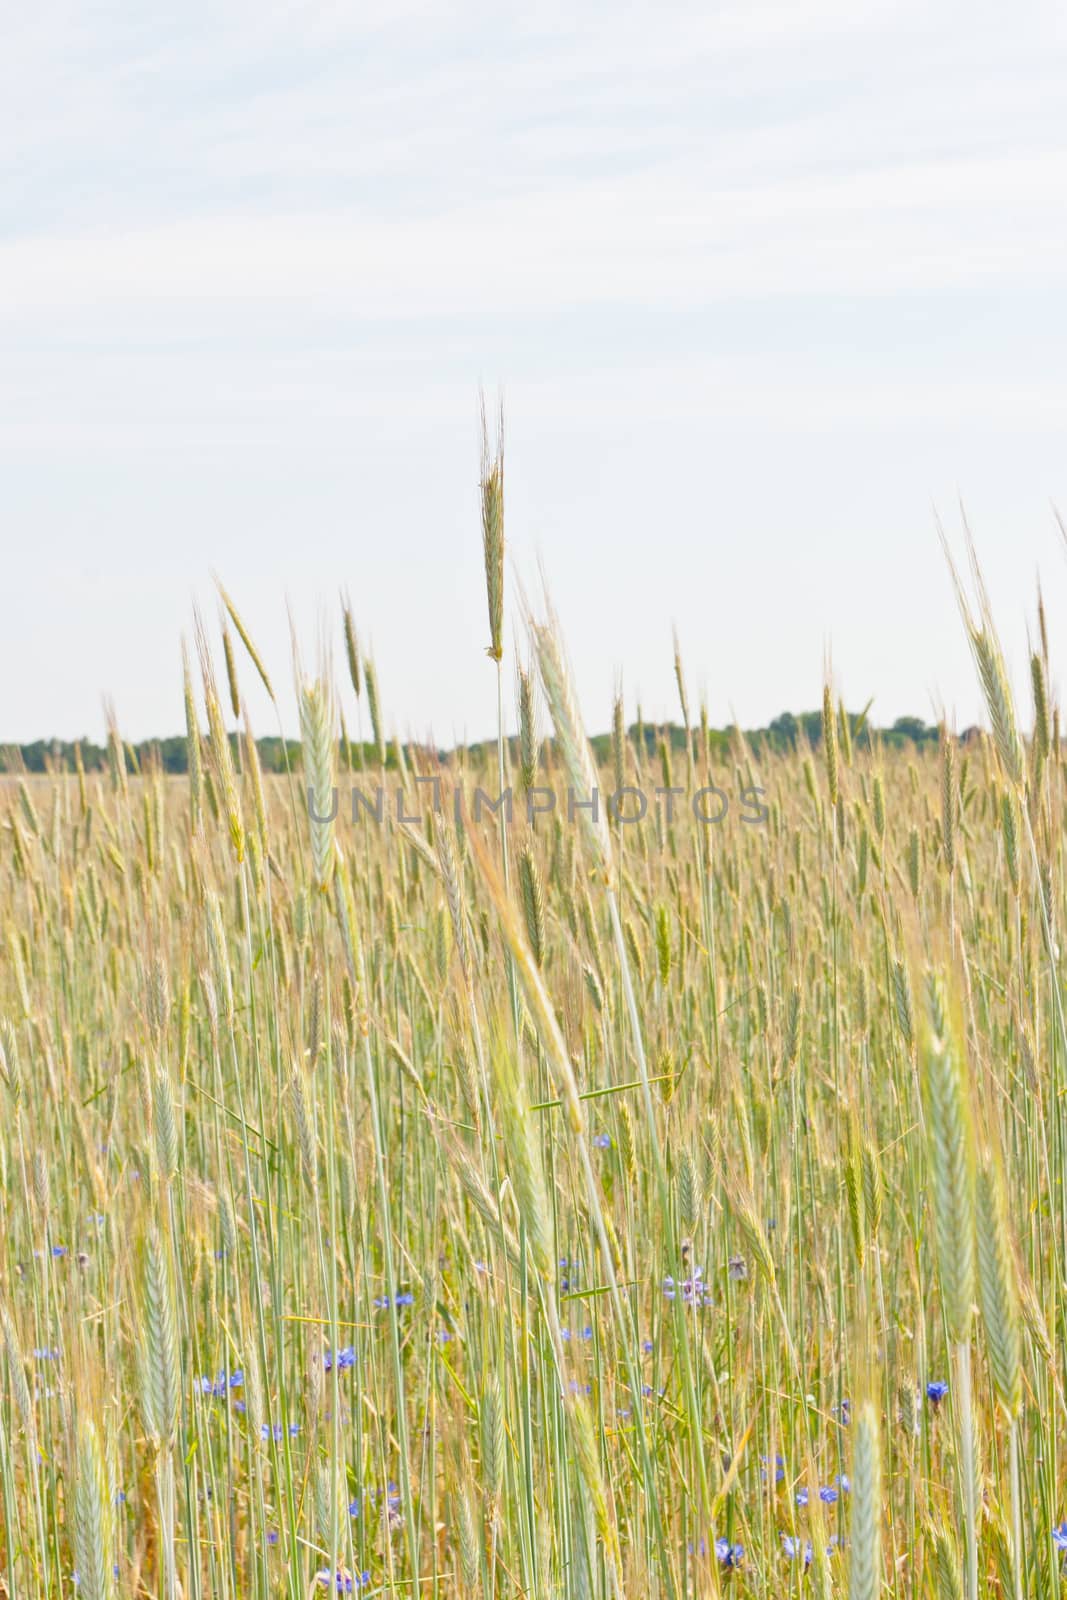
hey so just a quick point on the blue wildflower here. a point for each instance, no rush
(694, 1291)
(1059, 1536)
(729, 1555)
(346, 1357)
(602, 1141)
(276, 1432)
(795, 1548)
(936, 1392)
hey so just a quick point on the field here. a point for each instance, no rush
(558, 1207)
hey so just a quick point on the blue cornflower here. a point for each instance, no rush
(936, 1392)
(794, 1547)
(218, 1386)
(647, 1346)
(695, 1291)
(587, 1333)
(828, 1494)
(346, 1357)
(276, 1432)
(342, 1581)
(272, 1536)
(802, 1497)
(60, 1250)
(1059, 1536)
(729, 1555)
(843, 1412)
(602, 1141)
(779, 1468)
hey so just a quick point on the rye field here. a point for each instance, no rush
(426, 1201)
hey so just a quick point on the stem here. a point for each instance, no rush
(1016, 1510)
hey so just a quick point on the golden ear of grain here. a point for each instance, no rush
(231, 671)
(245, 638)
(989, 662)
(829, 742)
(578, 764)
(949, 802)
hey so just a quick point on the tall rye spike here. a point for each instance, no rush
(865, 1576)
(492, 493)
(245, 638)
(996, 1288)
(951, 1165)
(578, 764)
(351, 646)
(93, 1516)
(317, 738)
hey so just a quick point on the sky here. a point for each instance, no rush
(767, 289)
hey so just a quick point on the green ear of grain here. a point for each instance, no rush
(997, 1291)
(93, 1516)
(865, 1573)
(951, 1167)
